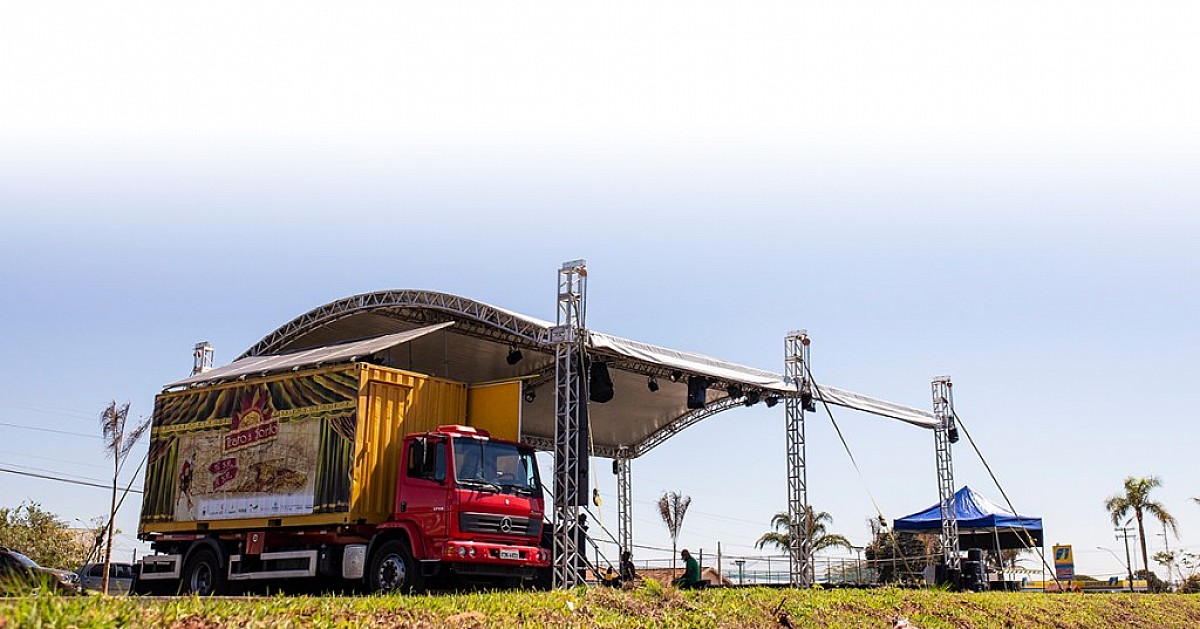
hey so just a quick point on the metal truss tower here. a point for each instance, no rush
(570, 399)
(202, 358)
(624, 503)
(800, 566)
(944, 434)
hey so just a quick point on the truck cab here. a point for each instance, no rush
(470, 506)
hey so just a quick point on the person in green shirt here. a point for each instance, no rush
(691, 571)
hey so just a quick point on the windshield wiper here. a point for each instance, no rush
(482, 484)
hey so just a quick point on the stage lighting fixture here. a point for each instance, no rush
(676, 376)
(807, 403)
(953, 433)
(652, 384)
(514, 355)
(734, 391)
(752, 397)
(530, 395)
(697, 392)
(772, 401)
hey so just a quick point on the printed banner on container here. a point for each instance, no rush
(269, 449)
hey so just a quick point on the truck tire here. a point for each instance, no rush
(393, 569)
(202, 574)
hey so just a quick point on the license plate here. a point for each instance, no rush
(510, 554)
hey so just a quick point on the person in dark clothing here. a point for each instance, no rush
(691, 571)
(628, 573)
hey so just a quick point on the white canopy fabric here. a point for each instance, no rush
(326, 355)
(689, 362)
(859, 402)
(408, 330)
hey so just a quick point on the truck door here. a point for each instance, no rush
(424, 495)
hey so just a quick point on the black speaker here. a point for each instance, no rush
(973, 576)
(697, 392)
(974, 554)
(600, 387)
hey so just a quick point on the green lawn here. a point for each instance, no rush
(601, 607)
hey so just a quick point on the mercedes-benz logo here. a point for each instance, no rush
(505, 525)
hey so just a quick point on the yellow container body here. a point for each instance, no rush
(313, 448)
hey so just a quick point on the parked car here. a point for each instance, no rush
(20, 574)
(120, 577)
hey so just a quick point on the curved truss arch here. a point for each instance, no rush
(418, 306)
(684, 421)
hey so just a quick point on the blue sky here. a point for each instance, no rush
(928, 190)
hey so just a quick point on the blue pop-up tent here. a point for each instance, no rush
(981, 523)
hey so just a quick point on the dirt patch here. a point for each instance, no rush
(194, 622)
(467, 620)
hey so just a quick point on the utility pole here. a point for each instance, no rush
(1123, 534)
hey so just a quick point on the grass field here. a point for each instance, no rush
(652, 606)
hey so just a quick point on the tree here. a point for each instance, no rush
(117, 443)
(1153, 583)
(42, 536)
(672, 506)
(895, 556)
(1137, 499)
(819, 539)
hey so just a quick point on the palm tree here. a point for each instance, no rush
(817, 526)
(1137, 499)
(117, 444)
(672, 506)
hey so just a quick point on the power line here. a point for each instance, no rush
(62, 480)
(144, 436)
(60, 432)
(55, 459)
(59, 472)
(57, 410)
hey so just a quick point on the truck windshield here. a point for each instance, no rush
(479, 463)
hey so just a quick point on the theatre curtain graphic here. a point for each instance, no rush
(268, 449)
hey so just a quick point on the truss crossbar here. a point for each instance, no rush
(943, 411)
(569, 396)
(800, 568)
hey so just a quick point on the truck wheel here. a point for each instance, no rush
(393, 569)
(202, 574)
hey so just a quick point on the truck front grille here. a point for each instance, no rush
(499, 524)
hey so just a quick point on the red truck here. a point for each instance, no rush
(341, 476)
